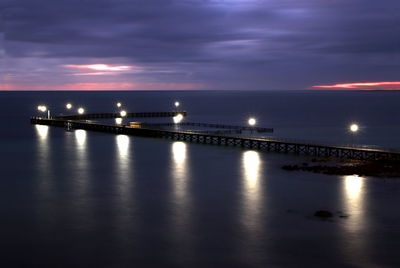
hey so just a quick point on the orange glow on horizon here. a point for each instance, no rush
(393, 85)
(101, 67)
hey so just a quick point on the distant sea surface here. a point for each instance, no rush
(87, 199)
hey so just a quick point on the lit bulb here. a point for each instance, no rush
(354, 128)
(252, 121)
(178, 118)
(42, 108)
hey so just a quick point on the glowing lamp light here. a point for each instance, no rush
(354, 128)
(123, 113)
(178, 118)
(177, 104)
(118, 121)
(119, 104)
(252, 121)
(68, 106)
(81, 110)
(42, 108)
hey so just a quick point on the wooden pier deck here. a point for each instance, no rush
(272, 145)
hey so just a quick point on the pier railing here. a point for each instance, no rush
(208, 125)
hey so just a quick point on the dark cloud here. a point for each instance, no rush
(219, 43)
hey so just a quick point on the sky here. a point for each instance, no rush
(199, 44)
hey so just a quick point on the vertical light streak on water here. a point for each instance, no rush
(44, 161)
(354, 202)
(45, 183)
(181, 200)
(80, 180)
(82, 165)
(179, 172)
(123, 166)
(123, 185)
(252, 202)
(251, 191)
(353, 189)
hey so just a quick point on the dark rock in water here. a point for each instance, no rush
(288, 167)
(381, 168)
(323, 214)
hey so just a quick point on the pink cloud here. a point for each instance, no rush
(394, 85)
(101, 67)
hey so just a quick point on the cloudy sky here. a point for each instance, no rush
(199, 44)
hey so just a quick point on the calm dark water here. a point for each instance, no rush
(85, 199)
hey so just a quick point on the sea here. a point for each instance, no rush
(89, 199)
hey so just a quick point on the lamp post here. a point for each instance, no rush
(43, 109)
(354, 128)
(177, 104)
(252, 122)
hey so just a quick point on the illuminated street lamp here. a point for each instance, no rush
(68, 106)
(252, 121)
(354, 128)
(43, 109)
(178, 118)
(123, 113)
(81, 110)
(177, 103)
(119, 104)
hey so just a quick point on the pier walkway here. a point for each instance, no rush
(272, 145)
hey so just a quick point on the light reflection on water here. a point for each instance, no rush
(80, 136)
(123, 143)
(251, 190)
(124, 167)
(123, 186)
(179, 171)
(43, 147)
(42, 131)
(353, 189)
(181, 201)
(81, 165)
(354, 199)
(81, 152)
(43, 159)
(252, 209)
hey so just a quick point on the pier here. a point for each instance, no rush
(156, 131)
